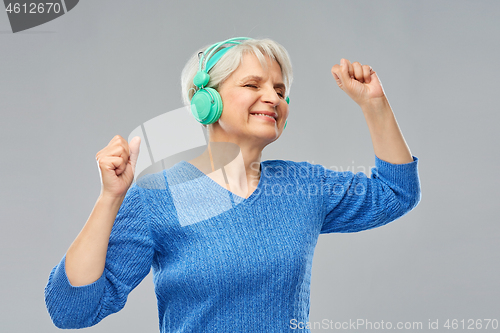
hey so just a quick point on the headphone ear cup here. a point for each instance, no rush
(203, 109)
(287, 99)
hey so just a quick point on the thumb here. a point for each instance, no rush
(134, 146)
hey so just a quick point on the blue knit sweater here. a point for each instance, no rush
(223, 263)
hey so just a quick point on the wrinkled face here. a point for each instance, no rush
(248, 91)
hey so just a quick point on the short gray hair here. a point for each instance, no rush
(230, 62)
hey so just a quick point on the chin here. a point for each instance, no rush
(266, 135)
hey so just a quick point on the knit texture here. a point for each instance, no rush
(223, 263)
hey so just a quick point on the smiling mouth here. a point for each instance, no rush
(264, 116)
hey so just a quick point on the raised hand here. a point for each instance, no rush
(117, 165)
(360, 82)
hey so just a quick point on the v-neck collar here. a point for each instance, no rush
(224, 190)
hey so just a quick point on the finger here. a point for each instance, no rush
(351, 69)
(336, 74)
(358, 71)
(115, 163)
(344, 72)
(120, 150)
(117, 150)
(134, 145)
(114, 146)
(115, 139)
(367, 73)
(119, 163)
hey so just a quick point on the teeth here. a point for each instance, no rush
(261, 114)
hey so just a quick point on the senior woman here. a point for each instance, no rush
(230, 238)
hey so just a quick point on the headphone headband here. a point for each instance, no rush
(214, 47)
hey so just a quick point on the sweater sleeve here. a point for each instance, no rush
(128, 261)
(354, 202)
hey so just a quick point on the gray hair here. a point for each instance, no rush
(230, 62)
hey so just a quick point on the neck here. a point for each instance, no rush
(235, 166)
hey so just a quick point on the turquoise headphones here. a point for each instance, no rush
(206, 103)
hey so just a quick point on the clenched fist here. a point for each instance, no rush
(360, 82)
(116, 164)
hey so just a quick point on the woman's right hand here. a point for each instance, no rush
(116, 164)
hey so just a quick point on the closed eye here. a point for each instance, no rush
(281, 95)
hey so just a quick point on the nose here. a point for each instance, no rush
(270, 96)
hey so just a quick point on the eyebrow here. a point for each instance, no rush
(259, 78)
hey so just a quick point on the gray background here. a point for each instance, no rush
(68, 86)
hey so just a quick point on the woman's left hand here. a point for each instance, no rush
(360, 82)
